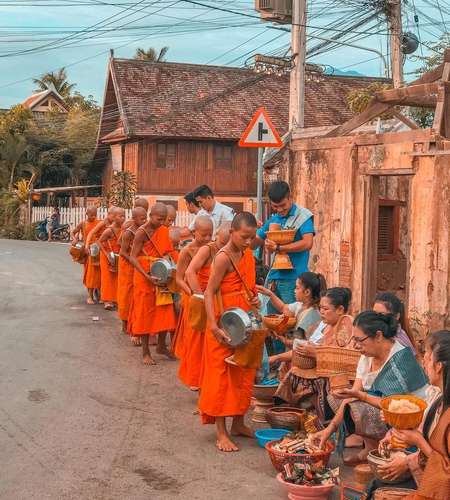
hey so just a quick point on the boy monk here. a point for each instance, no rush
(196, 276)
(203, 230)
(152, 312)
(126, 269)
(91, 275)
(226, 389)
(171, 216)
(109, 242)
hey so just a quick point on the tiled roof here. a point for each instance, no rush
(34, 99)
(196, 101)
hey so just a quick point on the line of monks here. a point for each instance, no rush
(213, 272)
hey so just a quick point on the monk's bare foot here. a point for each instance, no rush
(90, 301)
(224, 443)
(109, 306)
(148, 360)
(194, 389)
(136, 341)
(165, 352)
(242, 430)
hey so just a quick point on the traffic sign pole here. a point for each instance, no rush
(259, 185)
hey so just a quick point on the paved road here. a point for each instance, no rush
(81, 418)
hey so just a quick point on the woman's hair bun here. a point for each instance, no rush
(371, 322)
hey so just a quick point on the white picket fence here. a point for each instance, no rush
(74, 216)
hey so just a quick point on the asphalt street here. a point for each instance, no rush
(82, 418)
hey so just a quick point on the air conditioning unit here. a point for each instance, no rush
(278, 11)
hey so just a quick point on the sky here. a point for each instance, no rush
(37, 36)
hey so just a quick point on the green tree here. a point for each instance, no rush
(14, 158)
(151, 54)
(59, 81)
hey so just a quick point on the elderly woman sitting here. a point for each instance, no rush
(385, 368)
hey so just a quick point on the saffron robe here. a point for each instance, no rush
(91, 275)
(226, 390)
(146, 318)
(108, 289)
(191, 361)
(125, 285)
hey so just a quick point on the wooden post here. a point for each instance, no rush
(297, 82)
(395, 26)
(370, 250)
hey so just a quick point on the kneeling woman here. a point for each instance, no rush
(385, 368)
(334, 330)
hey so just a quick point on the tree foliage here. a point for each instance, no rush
(56, 78)
(151, 54)
(123, 189)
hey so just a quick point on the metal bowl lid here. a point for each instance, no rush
(94, 249)
(233, 323)
(161, 269)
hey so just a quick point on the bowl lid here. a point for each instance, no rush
(161, 269)
(235, 322)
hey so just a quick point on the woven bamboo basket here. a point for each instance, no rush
(333, 360)
(304, 362)
(282, 237)
(403, 420)
(278, 322)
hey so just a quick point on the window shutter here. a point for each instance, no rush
(386, 230)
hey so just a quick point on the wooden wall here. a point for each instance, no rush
(194, 166)
(342, 179)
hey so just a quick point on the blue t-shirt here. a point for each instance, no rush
(299, 259)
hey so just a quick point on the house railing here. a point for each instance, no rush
(74, 216)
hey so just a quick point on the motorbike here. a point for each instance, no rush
(60, 233)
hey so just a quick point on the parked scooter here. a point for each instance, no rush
(60, 233)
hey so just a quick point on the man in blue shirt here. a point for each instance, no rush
(288, 215)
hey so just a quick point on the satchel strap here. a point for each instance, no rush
(235, 267)
(150, 240)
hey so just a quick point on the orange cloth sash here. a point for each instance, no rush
(108, 288)
(146, 318)
(91, 274)
(227, 389)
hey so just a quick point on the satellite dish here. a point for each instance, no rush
(410, 43)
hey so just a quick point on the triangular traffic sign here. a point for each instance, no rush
(260, 132)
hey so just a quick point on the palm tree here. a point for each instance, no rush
(14, 151)
(151, 54)
(59, 81)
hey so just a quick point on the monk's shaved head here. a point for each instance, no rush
(171, 210)
(223, 233)
(171, 216)
(141, 202)
(203, 222)
(159, 209)
(138, 211)
(244, 219)
(91, 211)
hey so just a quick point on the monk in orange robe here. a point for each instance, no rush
(226, 389)
(109, 244)
(203, 232)
(152, 312)
(197, 276)
(126, 269)
(91, 274)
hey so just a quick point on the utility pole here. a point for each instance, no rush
(297, 83)
(395, 27)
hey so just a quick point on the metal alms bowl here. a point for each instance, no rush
(113, 258)
(163, 269)
(94, 250)
(79, 245)
(238, 324)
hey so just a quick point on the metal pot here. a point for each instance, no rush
(164, 270)
(94, 250)
(79, 245)
(374, 459)
(112, 257)
(238, 324)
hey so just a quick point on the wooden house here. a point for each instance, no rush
(47, 101)
(382, 202)
(176, 126)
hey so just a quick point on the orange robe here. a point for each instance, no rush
(108, 289)
(125, 285)
(91, 275)
(226, 390)
(146, 318)
(178, 341)
(193, 341)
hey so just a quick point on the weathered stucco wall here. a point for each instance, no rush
(334, 178)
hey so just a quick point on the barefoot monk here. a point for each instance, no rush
(152, 312)
(126, 269)
(197, 275)
(203, 231)
(226, 389)
(109, 254)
